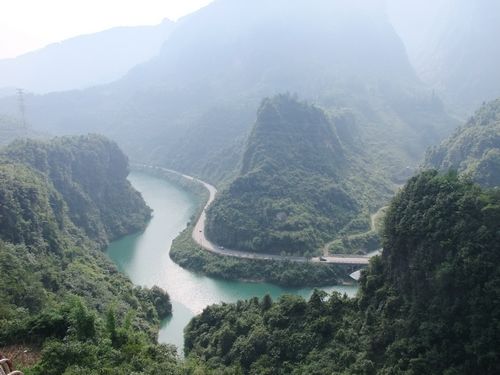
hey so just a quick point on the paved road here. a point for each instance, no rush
(198, 235)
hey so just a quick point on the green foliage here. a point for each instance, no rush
(474, 149)
(438, 283)
(83, 321)
(285, 337)
(89, 172)
(428, 305)
(31, 211)
(357, 243)
(159, 299)
(298, 185)
(55, 282)
(185, 252)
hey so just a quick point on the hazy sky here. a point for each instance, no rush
(30, 24)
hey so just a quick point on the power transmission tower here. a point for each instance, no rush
(22, 108)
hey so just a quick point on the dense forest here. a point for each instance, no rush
(299, 184)
(62, 299)
(92, 181)
(428, 305)
(473, 149)
(71, 308)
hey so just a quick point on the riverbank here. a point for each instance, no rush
(145, 259)
(187, 253)
(199, 234)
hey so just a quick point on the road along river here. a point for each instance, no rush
(144, 258)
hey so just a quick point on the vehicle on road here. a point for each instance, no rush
(322, 259)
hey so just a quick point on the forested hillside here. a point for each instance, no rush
(428, 305)
(191, 108)
(299, 184)
(62, 299)
(474, 149)
(90, 173)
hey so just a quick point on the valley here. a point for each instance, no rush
(250, 187)
(144, 257)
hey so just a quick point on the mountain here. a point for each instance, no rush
(427, 305)
(63, 301)
(298, 185)
(92, 180)
(192, 106)
(84, 61)
(454, 47)
(474, 149)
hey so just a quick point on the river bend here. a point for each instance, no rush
(144, 258)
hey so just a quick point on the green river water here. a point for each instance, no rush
(144, 258)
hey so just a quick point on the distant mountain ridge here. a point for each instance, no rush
(85, 60)
(191, 108)
(454, 47)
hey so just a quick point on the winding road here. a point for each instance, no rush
(199, 237)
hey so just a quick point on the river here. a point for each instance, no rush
(144, 258)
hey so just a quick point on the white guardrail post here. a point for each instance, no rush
(6, 367)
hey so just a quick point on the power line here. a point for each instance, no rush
(22, 108)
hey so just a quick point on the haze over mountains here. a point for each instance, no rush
(453, 45)
(84, 61)
(192, 106)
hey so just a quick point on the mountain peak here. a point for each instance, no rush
(286, 130)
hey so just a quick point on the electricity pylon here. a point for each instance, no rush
(22, 108)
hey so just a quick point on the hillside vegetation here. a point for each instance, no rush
(90, 173)
(188, 254)
(60, 294)
(299, 184)
(428, 305)
(474, 149)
